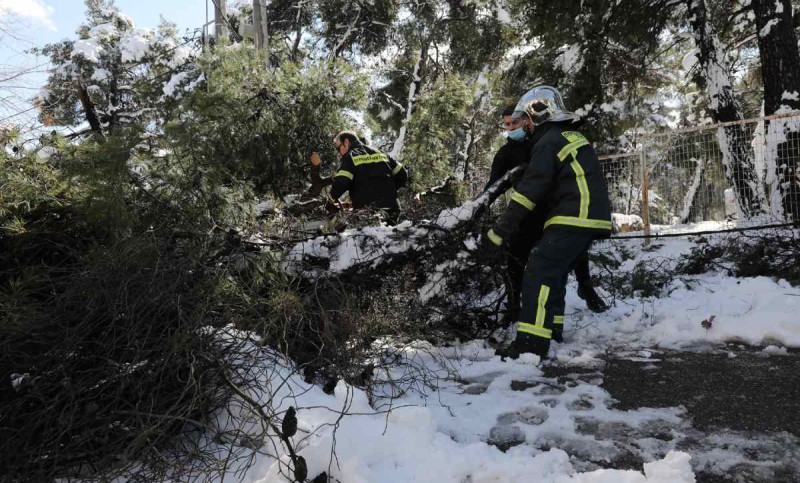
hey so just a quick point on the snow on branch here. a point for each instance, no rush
(373, 246)
(691, 193)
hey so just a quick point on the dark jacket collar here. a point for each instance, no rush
(355, 147)
(549, 126)
(514, 142)
(540, 131)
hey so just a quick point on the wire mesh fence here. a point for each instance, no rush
(737, 175)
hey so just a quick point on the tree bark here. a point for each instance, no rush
(88, 109)
(220, 25)
(690, 200)
(780, 71)
(714, 76)
(258, 24)
(413, 92)
(298, 31)
(340, 46)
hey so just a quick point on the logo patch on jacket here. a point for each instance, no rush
(573, 136)
(369, 158)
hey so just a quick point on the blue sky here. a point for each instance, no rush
(39, 22)
(61, 17)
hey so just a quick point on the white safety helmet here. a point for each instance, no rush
(543, 104)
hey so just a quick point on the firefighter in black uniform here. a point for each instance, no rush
(516, 152)
(371, 177)
(564, 174)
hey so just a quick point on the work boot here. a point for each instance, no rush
(510, 316)
(525, 343)
(593, 301)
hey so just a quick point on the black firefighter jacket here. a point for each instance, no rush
(564, 173)
(509, 156)
(371, 177)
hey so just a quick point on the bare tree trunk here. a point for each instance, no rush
(714, 76)
(690, 200)
(258, 24)
(461, 167)
(220, 25)
(298, 31)
(413, 92)
(780, 71)
(88, 109)
(337, 51)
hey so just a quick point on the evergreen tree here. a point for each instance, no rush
(114, 74)
(715, 77)
(780, 71)
(604, 56)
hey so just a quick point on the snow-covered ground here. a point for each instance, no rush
(455, 428)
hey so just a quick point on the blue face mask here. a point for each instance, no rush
(517, 134)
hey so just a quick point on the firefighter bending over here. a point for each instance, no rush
(371, 177)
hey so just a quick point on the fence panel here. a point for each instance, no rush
(689, 188)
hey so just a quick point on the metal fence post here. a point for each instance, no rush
(645, 196)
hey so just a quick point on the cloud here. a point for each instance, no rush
(31, 9)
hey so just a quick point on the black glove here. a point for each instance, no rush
(493, 244)
(331, 206)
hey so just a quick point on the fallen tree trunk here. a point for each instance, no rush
(366, 249)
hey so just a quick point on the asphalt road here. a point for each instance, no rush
(742, 406)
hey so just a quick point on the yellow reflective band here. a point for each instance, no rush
(342, 172)
(558, 320)
(494, 237)
(579, 222)
(397, 169)
(523, 200)
(544, 293)
(572, 148)
(573, 136)
(583, 187)
(369, 158)
(534, 330)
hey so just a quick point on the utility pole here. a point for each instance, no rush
(220, 25)
(260, 24)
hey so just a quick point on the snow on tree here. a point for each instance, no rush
(371, 248)
(114, 74)
(714, 76)
(691, 194)
(780, 70)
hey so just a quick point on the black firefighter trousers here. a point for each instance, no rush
(545, 281)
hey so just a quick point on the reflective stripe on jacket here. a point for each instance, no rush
(564, 173)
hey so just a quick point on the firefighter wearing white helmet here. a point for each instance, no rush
(542, 104)
(563, 173)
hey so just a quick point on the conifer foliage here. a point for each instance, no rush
(151, 248)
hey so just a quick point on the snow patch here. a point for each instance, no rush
(502, 14)
(135, 44)
(775, 350)
(89, 49)
(768, 27)
(570, 60)
(174, 81)
(100, 75)
(689, 61)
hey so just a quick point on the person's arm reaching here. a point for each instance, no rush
(343, 178)
(399, 172)
(535, 184)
